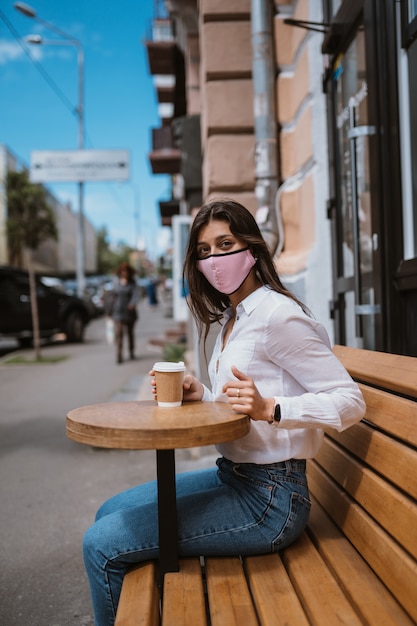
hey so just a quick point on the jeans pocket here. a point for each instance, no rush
(295, 523)
(252, 474)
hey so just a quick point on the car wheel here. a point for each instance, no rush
(74, 327)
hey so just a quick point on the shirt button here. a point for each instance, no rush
(237, 317)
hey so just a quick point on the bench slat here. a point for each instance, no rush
(390, 371)
(229, 597)
(139, 599)
(274, 596)
(390, 562)
(322, 598)
(389, 507)
(394, 415)
(183, 599)
(371, 598)
(388, 457)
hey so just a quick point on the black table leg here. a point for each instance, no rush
(167, 511)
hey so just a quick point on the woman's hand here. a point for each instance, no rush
(245, 398)
(193, 390)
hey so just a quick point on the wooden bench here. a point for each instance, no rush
(357, 561)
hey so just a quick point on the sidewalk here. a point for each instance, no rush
(54, 486)
(154, 328)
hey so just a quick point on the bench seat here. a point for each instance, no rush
(356, 563)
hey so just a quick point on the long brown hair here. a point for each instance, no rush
(205, 302)
(125, 267)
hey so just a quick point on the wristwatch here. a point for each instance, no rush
(276, 415)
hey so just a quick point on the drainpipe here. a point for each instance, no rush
(266, 153)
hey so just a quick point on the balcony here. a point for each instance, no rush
(162, 57)
(168, 209)
(165, 158)
(165, 59)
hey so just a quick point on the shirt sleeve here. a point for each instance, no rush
(135, 296)
(208, 396)
(327, 396)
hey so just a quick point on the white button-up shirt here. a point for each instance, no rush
(288, 355)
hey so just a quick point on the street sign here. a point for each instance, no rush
(78, 165)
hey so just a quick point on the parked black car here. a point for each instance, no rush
(58, 311)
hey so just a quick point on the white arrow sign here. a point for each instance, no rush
(79, 165)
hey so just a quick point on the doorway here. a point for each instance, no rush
(356, 241)
(371, 305)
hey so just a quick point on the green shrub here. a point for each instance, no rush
(174, 352)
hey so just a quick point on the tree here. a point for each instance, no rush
(109, 258)
(30, 221)
(105, 257)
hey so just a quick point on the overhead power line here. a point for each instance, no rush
(38, 65)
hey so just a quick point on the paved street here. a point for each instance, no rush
(51, 487)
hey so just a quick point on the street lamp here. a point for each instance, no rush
(25, 9)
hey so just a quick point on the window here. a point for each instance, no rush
(407, 90)
(409, 21)
(412, 10)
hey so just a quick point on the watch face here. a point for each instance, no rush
(277, 413)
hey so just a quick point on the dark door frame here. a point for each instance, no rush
(378, 18)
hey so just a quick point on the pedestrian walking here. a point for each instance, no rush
(121, 307)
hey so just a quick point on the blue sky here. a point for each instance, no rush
(120, 105)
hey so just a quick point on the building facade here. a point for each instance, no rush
(305, 115)
(52, 257)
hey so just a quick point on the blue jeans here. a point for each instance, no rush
(238, 508)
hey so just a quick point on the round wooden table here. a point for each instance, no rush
(145, 426)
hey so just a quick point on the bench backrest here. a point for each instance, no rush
(366, 477)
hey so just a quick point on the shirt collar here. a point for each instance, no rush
(250, 303)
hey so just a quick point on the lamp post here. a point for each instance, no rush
(69, 41)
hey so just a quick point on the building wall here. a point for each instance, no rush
(228, 140)
(52, 256)
(294, 116)
(305, 262)
(227, 101)
(301, 70)
(192, 74)
(61, 256)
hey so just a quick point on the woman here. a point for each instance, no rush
(122, 309)
(273, 361)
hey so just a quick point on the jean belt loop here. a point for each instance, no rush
(288, 466)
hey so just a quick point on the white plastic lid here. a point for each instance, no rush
(168, 366)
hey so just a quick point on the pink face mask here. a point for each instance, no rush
(227, 272)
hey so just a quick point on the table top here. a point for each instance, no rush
(142, 425)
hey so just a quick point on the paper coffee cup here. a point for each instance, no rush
(169, 378)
